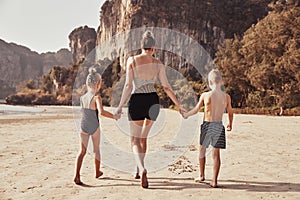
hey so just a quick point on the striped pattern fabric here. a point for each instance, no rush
(213, 133)
(143, 86)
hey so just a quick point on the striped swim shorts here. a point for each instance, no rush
(213, 133)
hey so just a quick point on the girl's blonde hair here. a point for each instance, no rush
(93, 77)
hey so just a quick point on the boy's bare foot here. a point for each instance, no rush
(98, 174)
(199, 179)
(144, 179)
(77, 181)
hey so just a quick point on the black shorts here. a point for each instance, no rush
(143, 106)
(213, 133)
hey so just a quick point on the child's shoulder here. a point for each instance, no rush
(97, 97)
(205, 93)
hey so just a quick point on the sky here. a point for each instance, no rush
(44, 25)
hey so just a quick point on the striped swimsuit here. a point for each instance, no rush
(90, 119)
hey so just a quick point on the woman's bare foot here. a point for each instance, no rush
(199, 179)
(144, 179)
(77, 181)
(213, 185)
(137, 176)
(98, 174)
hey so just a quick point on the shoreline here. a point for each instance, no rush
(37, 108)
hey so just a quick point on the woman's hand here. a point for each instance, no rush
(117, 116)
(181, 110)
(119, 111)
(185, 115)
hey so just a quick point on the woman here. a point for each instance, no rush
(142, 71)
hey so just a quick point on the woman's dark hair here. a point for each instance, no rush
(148, 41)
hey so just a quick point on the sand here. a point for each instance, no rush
(38, 152)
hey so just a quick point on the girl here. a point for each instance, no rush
(91, 105)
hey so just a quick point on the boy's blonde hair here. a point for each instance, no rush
(214, 76)
(93, 77)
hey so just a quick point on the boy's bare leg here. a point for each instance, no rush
(202, 160)
(217, 164)
(96, 147)
(84, 142)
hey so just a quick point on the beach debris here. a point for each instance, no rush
(183, 165)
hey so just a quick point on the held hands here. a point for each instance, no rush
(117, 116)
(183, 112)
(185, 115)
(118, 113)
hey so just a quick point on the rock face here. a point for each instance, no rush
(19, 63)
(208, 22)
(82, 42)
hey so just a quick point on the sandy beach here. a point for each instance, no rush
(38, 152)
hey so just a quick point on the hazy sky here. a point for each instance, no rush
(44, 25)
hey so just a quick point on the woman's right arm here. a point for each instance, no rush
(128, 85)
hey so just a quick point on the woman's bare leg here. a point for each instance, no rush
(84, 143)
(96, 147)
(145, 131)
(136, 132)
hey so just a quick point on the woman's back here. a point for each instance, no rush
(145, 72)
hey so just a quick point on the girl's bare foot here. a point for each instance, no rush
(77, 181)
(98, 174)
(144, 179)
(199, 179)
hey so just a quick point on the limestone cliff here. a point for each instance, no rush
(19, 63)
(82, 42)
(208, 22)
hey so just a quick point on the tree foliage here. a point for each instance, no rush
(265, 63)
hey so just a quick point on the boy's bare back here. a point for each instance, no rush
(215, 102)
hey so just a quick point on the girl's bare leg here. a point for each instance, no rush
(96, 147)
(84, 143)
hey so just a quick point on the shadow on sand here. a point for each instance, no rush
(165, 183)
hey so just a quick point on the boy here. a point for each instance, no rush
(212, 130)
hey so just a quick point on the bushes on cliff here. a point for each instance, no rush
(52, 88)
